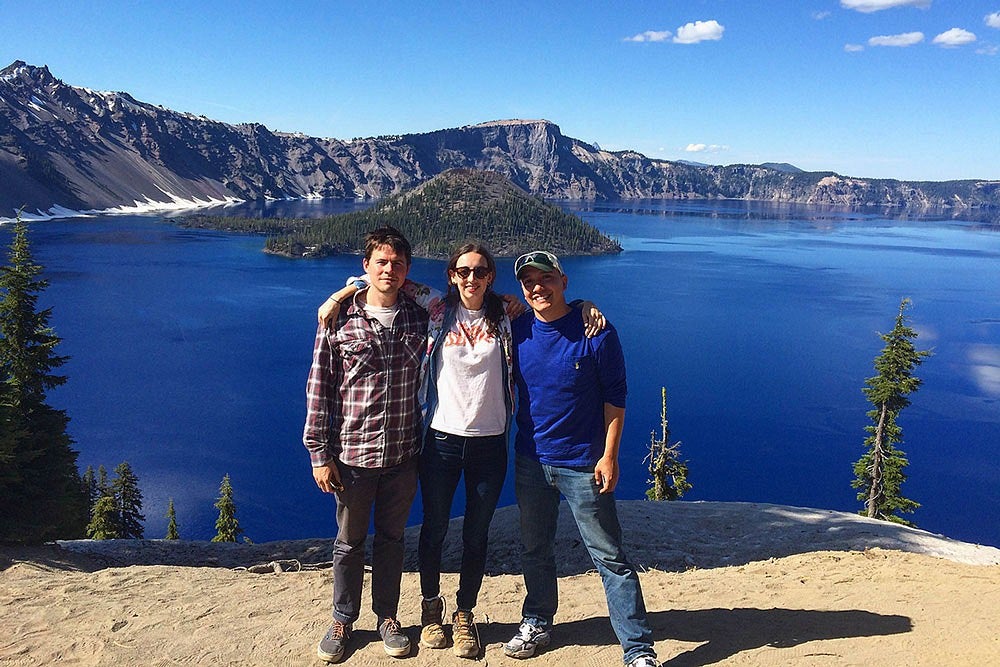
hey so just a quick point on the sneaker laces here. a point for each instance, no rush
(644, 661)
(390, 625)
(337, 630)
(463, 621)
(527, 631)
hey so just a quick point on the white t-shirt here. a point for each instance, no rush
(385, 316)
(469, 378)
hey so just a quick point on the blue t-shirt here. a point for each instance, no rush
(563, 381)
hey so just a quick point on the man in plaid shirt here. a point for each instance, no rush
(363, 428)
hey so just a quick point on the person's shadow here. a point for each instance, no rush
(723, 632)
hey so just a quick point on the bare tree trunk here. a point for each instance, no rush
(876, 468)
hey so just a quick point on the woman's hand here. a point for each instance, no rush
(328, 312)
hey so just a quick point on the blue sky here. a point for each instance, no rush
(905, 89)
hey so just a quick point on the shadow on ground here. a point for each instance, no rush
(723, 633)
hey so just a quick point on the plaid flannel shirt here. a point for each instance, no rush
(361, 397)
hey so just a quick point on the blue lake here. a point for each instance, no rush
(189, 352)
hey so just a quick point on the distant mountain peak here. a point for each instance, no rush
(783, 167)
(514, 121)
(23, 71)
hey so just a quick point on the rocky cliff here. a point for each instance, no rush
(65, 147)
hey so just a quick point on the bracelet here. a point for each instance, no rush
(335, 300)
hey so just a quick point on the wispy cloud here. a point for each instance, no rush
(819, 16)
(853, 48)
(705, 148)
(689, 33)
(699, 31)
(988, 50)
(903, 39)
(993, 20)
(869, 6)
(650, 36)
(954, 37)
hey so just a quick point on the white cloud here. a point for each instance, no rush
(699, 31)
(903, 39)
(954, 37)
(705, 148)
(650, 36)
(869, 6)
(853, 48)
(993, 20)
(819, 16)
(989, 50)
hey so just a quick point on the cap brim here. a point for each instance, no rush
(537, 265)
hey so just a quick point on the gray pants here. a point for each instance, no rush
(390, 492)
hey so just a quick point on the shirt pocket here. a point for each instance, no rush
(413, 346)
(577, 372)
(359, 358)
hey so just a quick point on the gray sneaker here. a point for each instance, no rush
(331, 647)
(528, 639)
(644, 661)
(394, 641)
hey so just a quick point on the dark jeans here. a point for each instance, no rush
(443, 460)
(390, 491)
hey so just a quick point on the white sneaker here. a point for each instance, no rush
(644, 661)
(529, 637)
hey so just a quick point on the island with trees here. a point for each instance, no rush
(437, 215)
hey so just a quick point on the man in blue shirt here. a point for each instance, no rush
(571, 408)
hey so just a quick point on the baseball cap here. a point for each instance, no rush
(542, 260)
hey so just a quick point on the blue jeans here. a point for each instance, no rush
(444, 459)
(538, 487)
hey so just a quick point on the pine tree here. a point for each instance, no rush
(40, 484)
(103, 487)
(227, 527)
(879, 473)
(90, 490)
(104, 522)
(128, 502)
(172, 533)
(668, 474)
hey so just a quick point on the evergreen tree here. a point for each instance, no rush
(90, 490)
(128, 502)
(668, 474)
(879, 473)
(103, 487)
(172, 533)
(40, 485)
(104, 522)
(227, 527)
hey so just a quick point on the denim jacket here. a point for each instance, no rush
(441, 318)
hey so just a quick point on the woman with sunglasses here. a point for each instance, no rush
(468, 395)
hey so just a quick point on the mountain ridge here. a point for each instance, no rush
(66, 148)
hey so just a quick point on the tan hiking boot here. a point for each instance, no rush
(431, 617)
(464, 635)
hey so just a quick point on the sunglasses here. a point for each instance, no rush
(463, 272)
(536, 258)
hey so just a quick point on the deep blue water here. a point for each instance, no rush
(189, 351)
